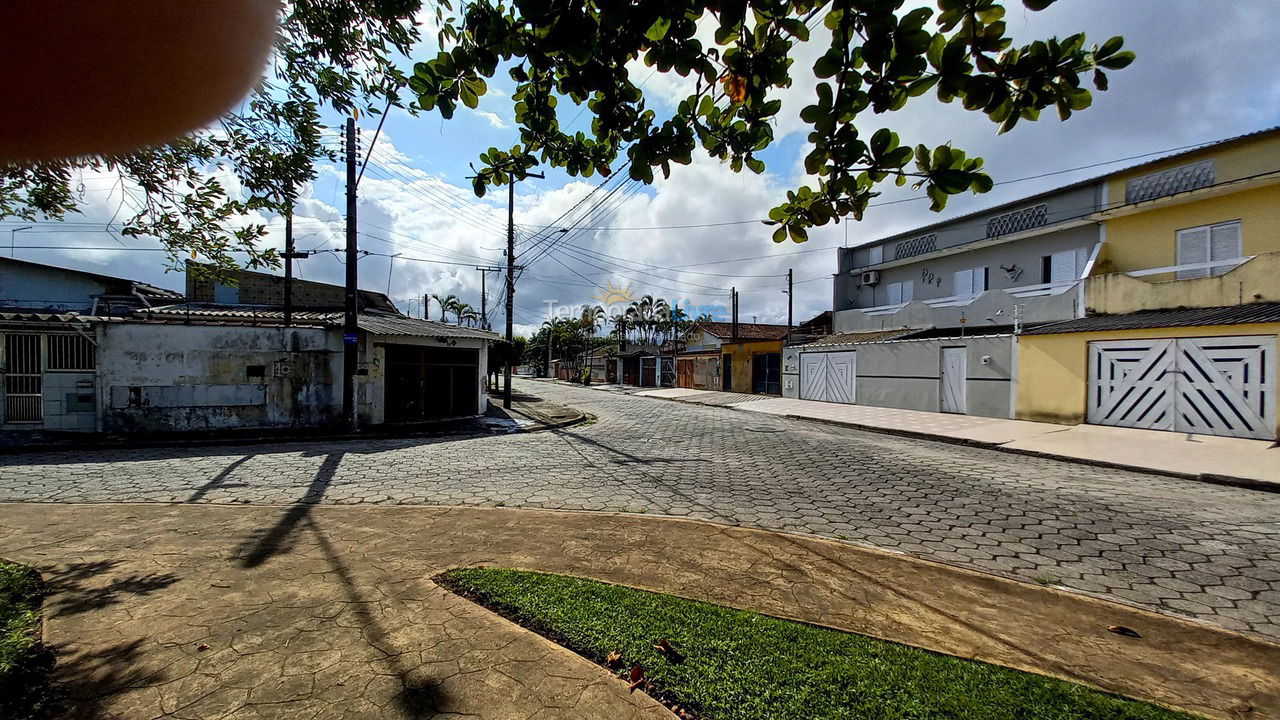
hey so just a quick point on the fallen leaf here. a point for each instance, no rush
(613, 659)
(204, 646)
(665, 648)
(636, 677)
(1122, 630)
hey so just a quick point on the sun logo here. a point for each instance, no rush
(611, 294)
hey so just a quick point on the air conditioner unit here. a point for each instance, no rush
(870, 277)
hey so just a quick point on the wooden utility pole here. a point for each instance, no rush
(350, 330)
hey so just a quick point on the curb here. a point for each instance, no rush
(1207, 478)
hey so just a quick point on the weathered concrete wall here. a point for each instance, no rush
(204, 377)
(906, 374)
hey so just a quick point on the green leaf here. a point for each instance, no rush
(1118, 61)
(1037, 5)
(1100, 80)
(659, 29)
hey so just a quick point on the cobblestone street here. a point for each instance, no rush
(1179, 546)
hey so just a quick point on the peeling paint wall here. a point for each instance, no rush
(203, 377)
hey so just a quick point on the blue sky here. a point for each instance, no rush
(1205, 71)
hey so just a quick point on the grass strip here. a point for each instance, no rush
(741, 665)
(24, 662)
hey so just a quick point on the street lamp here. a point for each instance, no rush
(12, 233)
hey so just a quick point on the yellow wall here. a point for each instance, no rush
(1242, 159)
(1257, 280)
(742, 353)
(1053, 370)
(1150, 239)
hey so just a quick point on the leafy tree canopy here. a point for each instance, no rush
(342, 55)
(878, 57)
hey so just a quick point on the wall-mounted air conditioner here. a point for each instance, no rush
(870, 277)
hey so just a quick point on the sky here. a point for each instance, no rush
(1205, 71)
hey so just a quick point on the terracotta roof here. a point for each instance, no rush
(1181, 317)
(852, 338)
(746, 331)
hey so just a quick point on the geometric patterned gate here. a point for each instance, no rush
(828, 376)
(1208, 386)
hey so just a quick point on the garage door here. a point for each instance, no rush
(1209, 386)
(828, 377)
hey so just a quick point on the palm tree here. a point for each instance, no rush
(468, 314)
(593, 318)
(447, 304)
(461, 309)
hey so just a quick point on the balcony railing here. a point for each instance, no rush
(1211, 266)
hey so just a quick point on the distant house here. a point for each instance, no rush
(163, 363)
(737, 357)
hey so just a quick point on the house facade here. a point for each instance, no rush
(166, 366)
(1065, 305)
(1180, 326)
(735, 357)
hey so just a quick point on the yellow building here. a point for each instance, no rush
(1182, 307)
(749, 357)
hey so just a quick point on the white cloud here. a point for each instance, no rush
(492, 118)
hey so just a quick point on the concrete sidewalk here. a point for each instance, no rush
(1252, 463)
(249, 613)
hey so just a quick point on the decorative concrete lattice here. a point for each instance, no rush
(1017, 221)
(916, 246)
(1170, 182)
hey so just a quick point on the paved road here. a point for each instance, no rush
(1183, 547)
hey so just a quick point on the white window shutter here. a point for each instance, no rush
(1062, 267)
(1224, 244)
(1082, 259)
(895, 293)
(1193, 248)
(875, 255)
(963, 283)
(908, 288)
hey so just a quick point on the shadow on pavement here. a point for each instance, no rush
(277, 539)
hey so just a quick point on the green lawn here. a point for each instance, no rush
(744, 666)
(22, 666)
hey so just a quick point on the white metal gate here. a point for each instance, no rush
(954, 369)
(23, 386)
(1209, 386)
(828, 376)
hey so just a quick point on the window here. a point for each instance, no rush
(971, 281)
(875, 254)
(1206, 244)
(70, 352)
(1063, 267)
(900, 292)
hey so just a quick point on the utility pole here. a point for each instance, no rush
(290, 254)
(484, 302)
(511, 283)
(790, 298)
(734, 292)
(426, 306)
(350, 331)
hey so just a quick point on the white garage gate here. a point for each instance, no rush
(828, 376)
(1209, 386)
